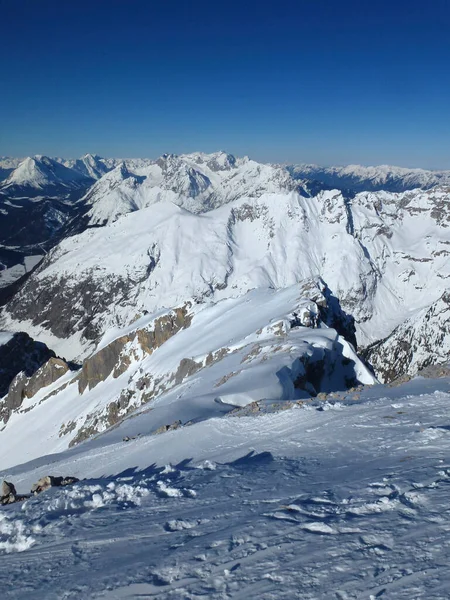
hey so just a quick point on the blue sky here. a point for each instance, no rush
(332, 82)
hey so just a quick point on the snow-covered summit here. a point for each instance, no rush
(89, 165)
(41, 174)
(115, 194)
(7, 166)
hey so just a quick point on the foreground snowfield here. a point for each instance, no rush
(347, 499)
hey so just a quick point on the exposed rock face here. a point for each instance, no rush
(164, 428)
(7, 489)
(26, 387)
(187, 367)
(315, 373)
(113, 359)
(420, 341)
(51, 481)
(435, 371)
(330, 310)
(63, 306)
(8, 494)
(21, 353)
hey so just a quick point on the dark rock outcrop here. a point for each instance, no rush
(21, 353)
(8, 494)
(172, 427)
(65, 306)
(49, 481)
(112, 360)
(23, 386)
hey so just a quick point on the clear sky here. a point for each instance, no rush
(332, 82)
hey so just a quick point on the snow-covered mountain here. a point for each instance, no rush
(383, 255)
(7, 166)
(360, 179)
(40, 175)
(89, 165)
(423, 339)
(37, 206)
(197, 182)
(186, 233)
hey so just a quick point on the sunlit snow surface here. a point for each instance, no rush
(350, 501)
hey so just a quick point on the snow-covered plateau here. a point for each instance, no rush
(246, 369)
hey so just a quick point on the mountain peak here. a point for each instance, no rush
(41, 174)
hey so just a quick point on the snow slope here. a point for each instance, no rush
(7, 166)
(349, 501)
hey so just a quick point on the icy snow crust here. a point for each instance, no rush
(347, 502)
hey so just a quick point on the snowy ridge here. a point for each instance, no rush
(229, 440)
(89, 165)
(260, 346)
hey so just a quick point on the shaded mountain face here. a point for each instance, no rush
(30, 227)
(19, 352)
(38, 207)
(7, 166)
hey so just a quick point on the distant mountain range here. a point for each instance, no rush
(42, 173)
(362, 179)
